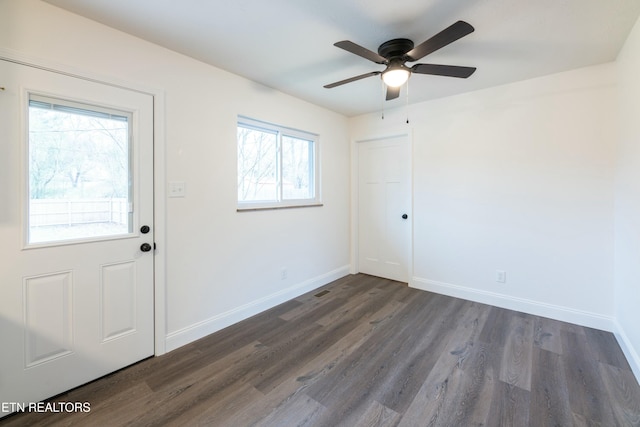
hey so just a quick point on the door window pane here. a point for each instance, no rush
(79, 171)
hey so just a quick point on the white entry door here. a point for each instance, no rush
(384, 206)
(76, 213)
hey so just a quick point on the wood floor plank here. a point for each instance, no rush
(494, 331)
(605, 348)
(377, 415)
(459, 396)
(290, 355)
(546, 334)
(584, 383)
(624, 395)
(419, 355)
(429, 402)
(549, 394)
(301, 410)
(515, 366)
(477, 390)
(370, 352)
(510, 406)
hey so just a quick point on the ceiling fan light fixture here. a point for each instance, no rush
(395, 77)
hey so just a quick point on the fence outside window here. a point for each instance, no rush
(51, 212)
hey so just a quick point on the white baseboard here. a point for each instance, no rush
(208, 326)
(627, 348)
(557, 312)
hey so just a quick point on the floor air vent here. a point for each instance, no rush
(321, 294)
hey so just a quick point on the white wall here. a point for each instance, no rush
(516, 178)
(627, 220)
(221, 265)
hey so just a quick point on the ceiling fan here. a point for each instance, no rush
(395, 53)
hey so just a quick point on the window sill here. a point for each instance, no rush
(271, 208)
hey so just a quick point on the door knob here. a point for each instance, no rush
(405, 216)
(145, 247)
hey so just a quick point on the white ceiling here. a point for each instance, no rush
(288, 44)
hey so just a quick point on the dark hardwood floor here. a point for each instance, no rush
(372, 352)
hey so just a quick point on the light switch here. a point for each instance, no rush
(177, 189)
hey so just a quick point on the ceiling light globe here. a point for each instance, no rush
(395, 77)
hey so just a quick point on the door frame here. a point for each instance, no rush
(355, 198)
(159, 172)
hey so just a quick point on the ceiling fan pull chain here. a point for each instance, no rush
(384, 88)
(407, 101)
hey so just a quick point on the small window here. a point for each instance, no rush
(277, 166)
(79, 171)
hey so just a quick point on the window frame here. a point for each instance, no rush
(314, 164)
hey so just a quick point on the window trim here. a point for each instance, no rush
(281, 131)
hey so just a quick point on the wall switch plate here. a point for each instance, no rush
(177, 189)
(501, 276)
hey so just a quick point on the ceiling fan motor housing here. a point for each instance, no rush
(395, 48)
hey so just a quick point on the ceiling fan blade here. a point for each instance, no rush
(392, 92)
(361, 51)
(440, 40)
(352, 79)
(443, 70)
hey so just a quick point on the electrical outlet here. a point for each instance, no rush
(283, 274)
(501, 276)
